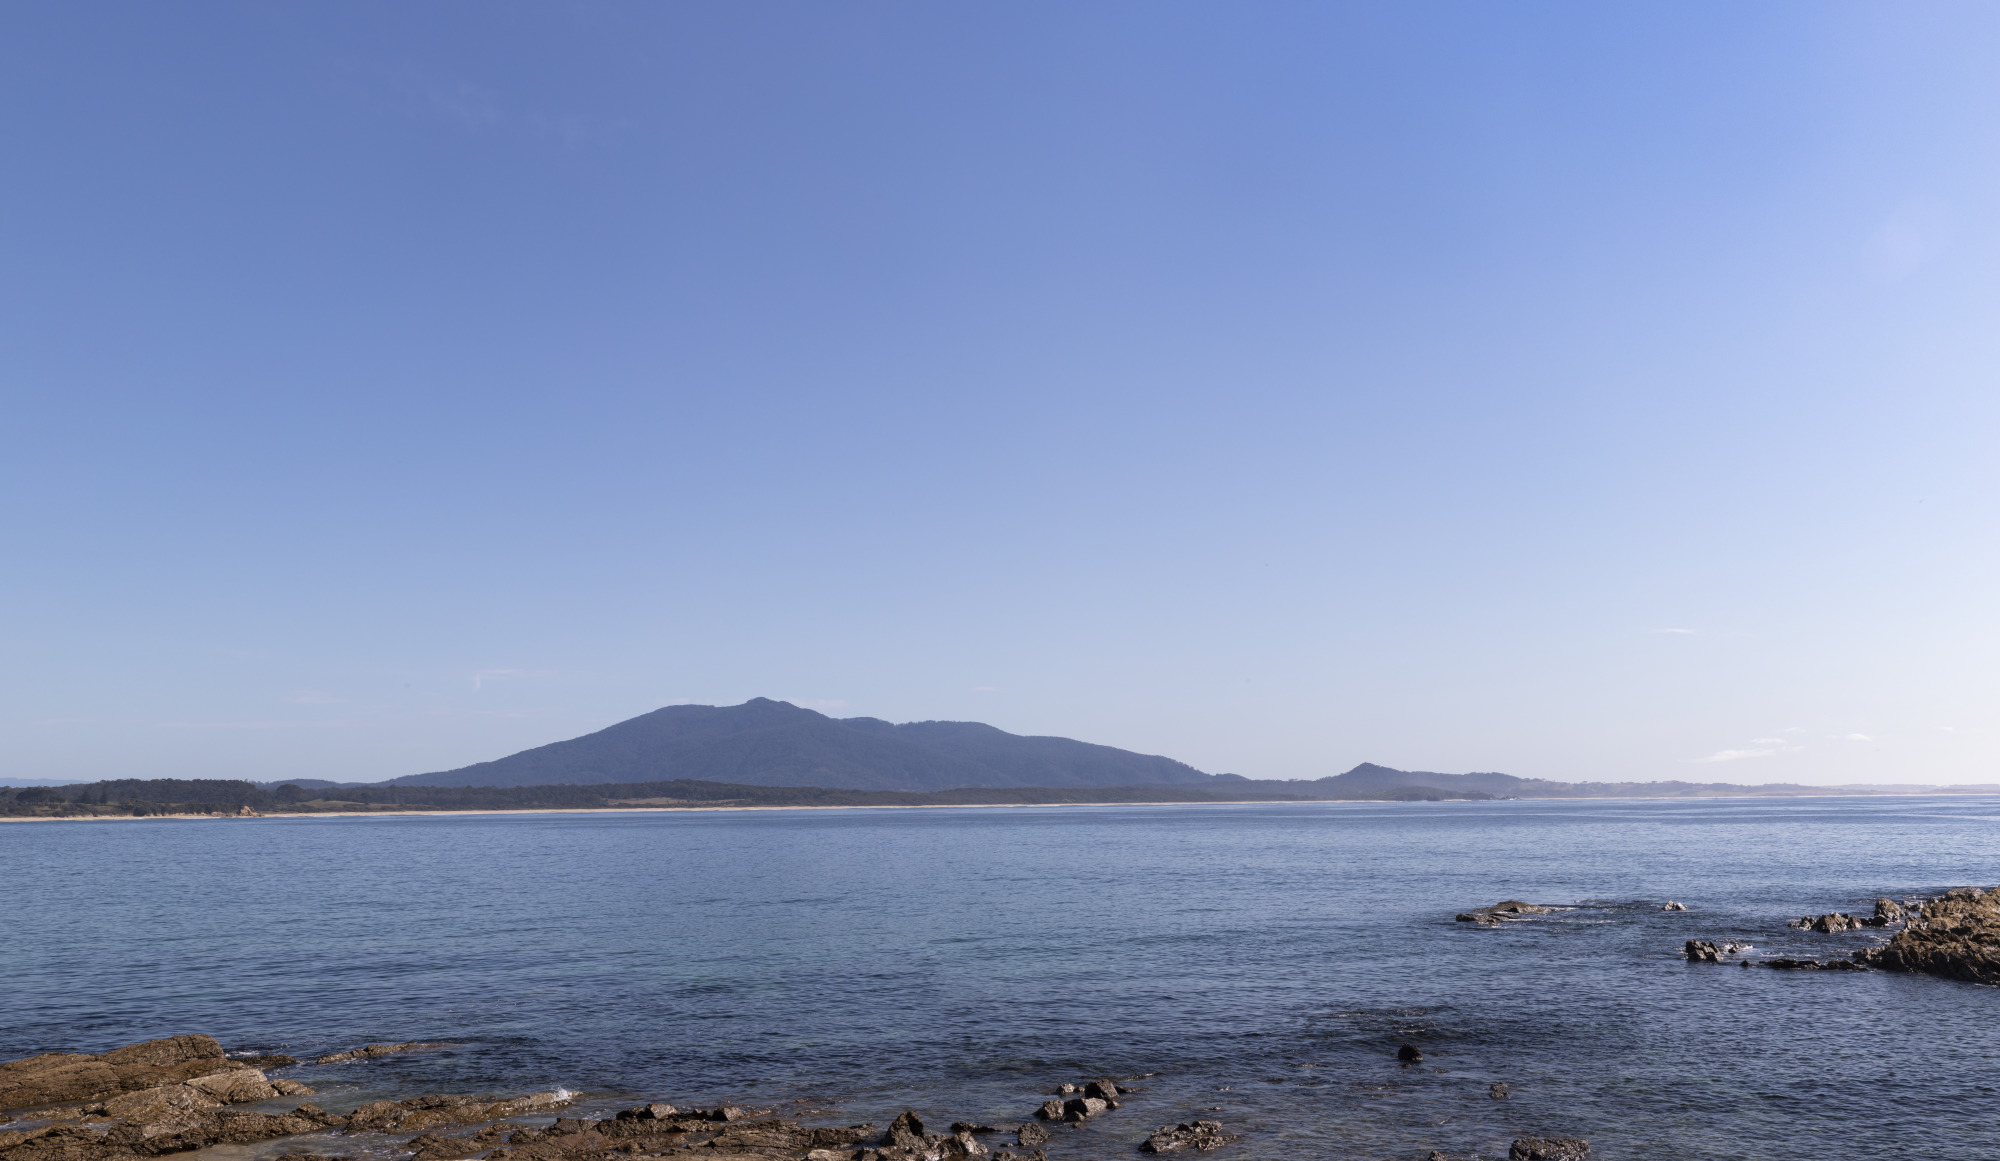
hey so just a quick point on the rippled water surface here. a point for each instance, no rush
(1263, 962)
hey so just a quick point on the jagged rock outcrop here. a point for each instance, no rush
(1198, 1135)
(1956, 936)
(65, 1077)
(1673, 906)
(1703, 951)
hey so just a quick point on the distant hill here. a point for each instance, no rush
(774, 743)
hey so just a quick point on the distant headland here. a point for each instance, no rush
(774, 754)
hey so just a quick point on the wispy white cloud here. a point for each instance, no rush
(1738, 755)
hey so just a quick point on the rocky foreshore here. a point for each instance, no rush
(174, 1096)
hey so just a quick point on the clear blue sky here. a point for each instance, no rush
(1580, 391)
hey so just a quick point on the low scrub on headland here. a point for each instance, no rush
(175, 796)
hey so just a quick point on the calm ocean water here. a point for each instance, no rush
(1263, 961)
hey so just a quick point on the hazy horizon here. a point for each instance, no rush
(1582, 394)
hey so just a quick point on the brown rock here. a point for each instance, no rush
(1077, 1109)
(1030, 1135)
(1956, 936)
(1887, 911)
(430, 1112)
(1702, 951)
(906, 1131)
(62, 1077)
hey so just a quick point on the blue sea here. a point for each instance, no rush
(1257, 965)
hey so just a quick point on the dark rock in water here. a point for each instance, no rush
(905, 1132)
(1835, 922)
(1956, 936)
(266, 1063)
(310, 1157)
(1409, 1054)
(651, 1112)
(1499, 1091)
(1065, 1090)
(1198, 1135)
(1673, 906)
(1703, 951)
(971, 1127)
(1030, 1135)
(1077, 1109)
(1549, 1149)
(1787, 963)
(1501, 912)
(371, 1051)
(1103, 1090)
(1050, 1111)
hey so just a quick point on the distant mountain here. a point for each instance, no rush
(774, 743)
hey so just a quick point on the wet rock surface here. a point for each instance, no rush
(1549, 1149)
(1502, 912)
(371, 1051)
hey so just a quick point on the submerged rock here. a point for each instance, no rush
(1499, 1091)
(371, 1051)
(1030, 1135)
(1198, 1135)
(1549, 1149)
(1673, 906)
(1787, 963)
(1409, 1054)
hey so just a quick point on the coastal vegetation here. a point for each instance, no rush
(173, 796)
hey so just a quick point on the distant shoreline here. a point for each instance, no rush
(965, 806)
